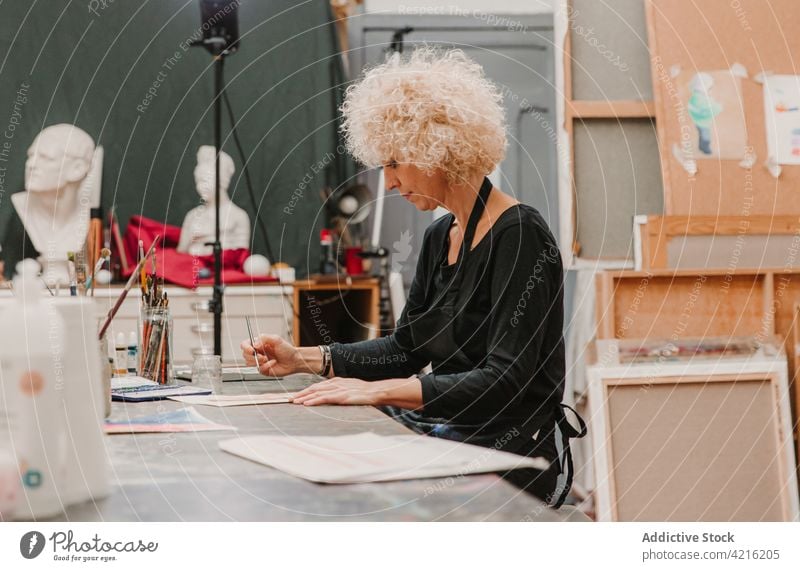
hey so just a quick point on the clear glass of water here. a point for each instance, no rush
(207, 372)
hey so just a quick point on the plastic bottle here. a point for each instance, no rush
(327, 263)
(121, 355)
(133, 352)
(31, 342)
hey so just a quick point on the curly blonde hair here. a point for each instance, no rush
(434, 109)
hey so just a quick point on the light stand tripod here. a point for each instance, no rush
(218, 46)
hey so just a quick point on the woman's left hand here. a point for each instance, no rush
(340, 390)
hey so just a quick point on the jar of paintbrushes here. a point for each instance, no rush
(155, 341)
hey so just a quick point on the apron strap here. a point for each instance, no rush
(469, 234)
(474, 217)
(565, 458)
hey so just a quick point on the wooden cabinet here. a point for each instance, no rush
(331, 309)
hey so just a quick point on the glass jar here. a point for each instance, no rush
(155, 344)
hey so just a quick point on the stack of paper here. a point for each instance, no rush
(368, 457)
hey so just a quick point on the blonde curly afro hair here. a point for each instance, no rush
(435, 109)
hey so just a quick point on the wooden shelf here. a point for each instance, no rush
(330, 309)
(611, 109)
(659, 230)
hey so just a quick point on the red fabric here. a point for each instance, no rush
(183, 269)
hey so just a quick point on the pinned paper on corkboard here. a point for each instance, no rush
(782, 109)
(713, 123)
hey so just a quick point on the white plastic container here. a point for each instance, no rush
(9, 471)
(32, 378)
(84, 403)
(10, 491)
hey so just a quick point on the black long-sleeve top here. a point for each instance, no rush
(496, 348)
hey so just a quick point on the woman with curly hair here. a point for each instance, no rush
(485, 308)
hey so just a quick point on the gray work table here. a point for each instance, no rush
(186, 477)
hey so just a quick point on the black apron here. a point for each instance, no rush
(432, 330)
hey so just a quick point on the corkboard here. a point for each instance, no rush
(713, 35)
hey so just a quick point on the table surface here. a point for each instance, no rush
(186, 477)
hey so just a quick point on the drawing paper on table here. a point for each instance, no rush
(368, 457)
(229, 373)
(236, 400)
(248, 373)
(182, 420)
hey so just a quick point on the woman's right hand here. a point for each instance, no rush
(274, 356)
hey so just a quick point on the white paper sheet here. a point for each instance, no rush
(711, 117)
(236, 400)
(368, 457)
(782, 110)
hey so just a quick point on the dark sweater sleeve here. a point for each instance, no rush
(525, 280)
(392, 356)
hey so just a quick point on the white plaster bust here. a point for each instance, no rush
(198, 226)
(55, 205)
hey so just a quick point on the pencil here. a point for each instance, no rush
(252, 341)
(142, 271)
(164, 354)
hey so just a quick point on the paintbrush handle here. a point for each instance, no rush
(113, 311)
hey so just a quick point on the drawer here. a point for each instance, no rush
(258, 305)
(253, 305)
(193, 326)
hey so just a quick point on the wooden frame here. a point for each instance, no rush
(656, 299)
(759, 303)
(611, 109)
(657, 232)
(768, 295)
(601, 379)
(577, 110)
(570, 228)
(793, 346)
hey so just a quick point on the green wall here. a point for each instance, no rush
(95, 63)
